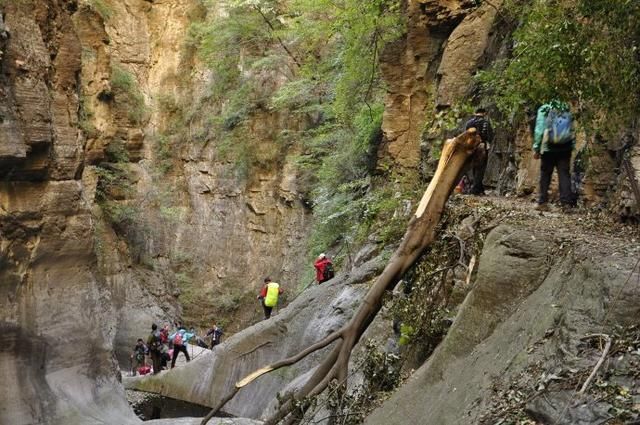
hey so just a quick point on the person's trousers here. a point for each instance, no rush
(177, 349)
(561, 161)
(267, 310)
(474, 171)
(157, 361)
(478, 168)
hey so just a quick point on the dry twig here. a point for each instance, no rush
(607, 347)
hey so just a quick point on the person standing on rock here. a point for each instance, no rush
(164, 336)
(179, 341)
(138, 356)
(324, 268)
(269, 296)
(553, 143)
(481, 123)
(154, 342)
(216, 334)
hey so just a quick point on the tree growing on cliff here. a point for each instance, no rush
(318, 65)
(421, 232)
(577, 50)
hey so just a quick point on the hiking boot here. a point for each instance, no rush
(542, 207)
(568, 209)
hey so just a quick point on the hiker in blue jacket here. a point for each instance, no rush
(180, 340)
(553, 142)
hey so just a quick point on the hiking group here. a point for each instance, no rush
(163, 345)
(553, 144)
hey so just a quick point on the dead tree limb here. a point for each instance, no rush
(421, 232)
(605, 352)
(274, 32)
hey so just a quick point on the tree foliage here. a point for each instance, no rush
(582, 51)
(315, 61)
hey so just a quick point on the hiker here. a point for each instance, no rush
(481, 123)
(215, 333)
(324, 268)
(553, 142)
(269, 296)
(154, 342)
(179, 340)
(164, 337)
(164, 333)
(138, 358)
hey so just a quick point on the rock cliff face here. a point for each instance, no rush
(203, 235)
(56, 319)
(78, 81)
(428, 69)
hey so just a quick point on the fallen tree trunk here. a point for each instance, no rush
(421, 232)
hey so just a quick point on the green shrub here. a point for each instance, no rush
(102, 7)
(116, 152)
(126, 90)
(562, 50)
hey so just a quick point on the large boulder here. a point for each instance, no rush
(538, 293)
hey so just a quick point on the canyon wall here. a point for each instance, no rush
(87, 266)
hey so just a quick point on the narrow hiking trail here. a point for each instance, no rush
(590, 226)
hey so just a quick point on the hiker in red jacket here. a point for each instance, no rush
(324, 268)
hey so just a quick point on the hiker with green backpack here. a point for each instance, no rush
(269, 296)
(553, 142)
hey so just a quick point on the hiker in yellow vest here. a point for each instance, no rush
(269, 296)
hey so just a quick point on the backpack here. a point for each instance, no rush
(328, 272)
(177, 340)
(480, 124)
(558, 127)
(155, 343)
(273, 290)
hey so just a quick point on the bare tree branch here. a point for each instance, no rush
(275, 34)
(600, 361)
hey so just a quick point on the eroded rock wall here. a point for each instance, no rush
(205, 231)
(56, 317)
(76, 288)
(429, 70)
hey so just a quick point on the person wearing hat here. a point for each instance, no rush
(324, 268)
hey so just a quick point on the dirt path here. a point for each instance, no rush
(584, 226)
